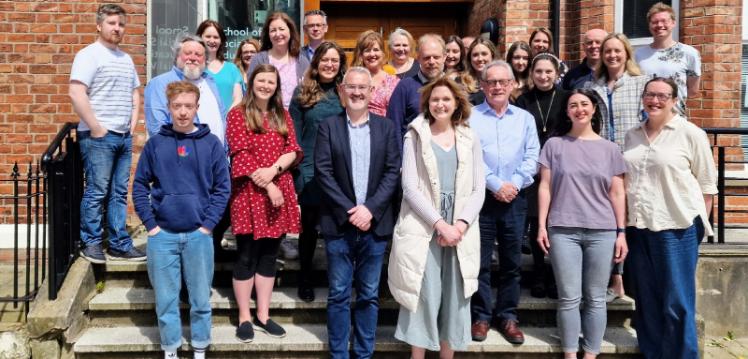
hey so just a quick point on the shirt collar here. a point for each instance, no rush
(180, 73)
(486, 109)
(362, 125)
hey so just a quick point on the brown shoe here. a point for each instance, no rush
(479, 330)
(509, 329)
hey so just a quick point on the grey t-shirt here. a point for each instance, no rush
(581, 175)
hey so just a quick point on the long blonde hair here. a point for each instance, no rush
(275, 113)
(471, 78)
(631, 66)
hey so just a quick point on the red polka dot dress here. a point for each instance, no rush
(251, 209)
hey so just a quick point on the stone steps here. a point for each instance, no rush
(310, 341)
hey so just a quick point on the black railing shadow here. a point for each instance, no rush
(720, 149)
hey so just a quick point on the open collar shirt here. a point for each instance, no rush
(510, 145)
(668, 177)
(359, 138)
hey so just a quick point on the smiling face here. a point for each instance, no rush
(431, 59)
(191, 59)
(279, 33)
(544, 74)
(373, 56)
(453, 56)
(248, 51)
(661, 25)
(264, 86)
(520, 60)
(592, 41)
(329, 66)
(356, 89)
(614, 55)
(540, 43)
(400, 48)
(497, 86)
(183, 108)
(442, 104)
(479, 57)
(112, 29)
(212, 39)
(658, 99)
(580, 110)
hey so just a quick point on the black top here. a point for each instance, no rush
(411, 72)
(530, 100)
(577, 76)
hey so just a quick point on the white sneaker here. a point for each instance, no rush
(289, 249)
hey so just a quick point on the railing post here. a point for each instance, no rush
(721, 195)
(15, 175)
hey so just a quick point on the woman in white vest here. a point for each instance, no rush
(433, 266)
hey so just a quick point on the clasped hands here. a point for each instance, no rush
(449, 235)
(360, 217)
(506, 193)
(263, 177)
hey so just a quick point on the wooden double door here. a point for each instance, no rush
(347, 19)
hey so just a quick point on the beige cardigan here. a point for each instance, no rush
(419, 211)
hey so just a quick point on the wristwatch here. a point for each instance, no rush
(620, 230)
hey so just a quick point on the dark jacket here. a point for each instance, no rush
(182, 180)
(405, 105)
(306, 122)
(332, 168)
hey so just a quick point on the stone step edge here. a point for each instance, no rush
(313, 338)
(142, 298)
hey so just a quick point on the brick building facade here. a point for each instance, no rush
(38, 40)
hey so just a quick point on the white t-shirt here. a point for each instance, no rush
(111, 78)
(209, 113)
(678, 62)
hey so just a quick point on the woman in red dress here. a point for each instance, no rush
(263, 147)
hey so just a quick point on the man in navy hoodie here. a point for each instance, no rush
(180, 191)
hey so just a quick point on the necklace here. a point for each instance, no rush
(544, 119)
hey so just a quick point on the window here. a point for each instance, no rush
(167, 19)
(631, 19)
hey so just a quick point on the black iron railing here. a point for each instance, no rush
(63, 170)
(728, 147)
(29, 210)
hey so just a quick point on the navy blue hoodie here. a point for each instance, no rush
(182, 181)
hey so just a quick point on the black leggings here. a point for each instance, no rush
(255, 256)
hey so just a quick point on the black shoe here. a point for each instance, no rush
(270, 327)
(133, 255)
(551, 291)
(538, 290)
(93, 254)
(245, 332)
(306, 294)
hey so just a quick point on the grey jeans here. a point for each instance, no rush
(582, 260)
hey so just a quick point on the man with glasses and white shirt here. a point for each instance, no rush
(510, 152)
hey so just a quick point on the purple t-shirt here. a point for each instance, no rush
(581, 175)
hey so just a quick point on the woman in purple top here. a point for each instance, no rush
(581, 215)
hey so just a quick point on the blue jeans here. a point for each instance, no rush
(106, 161)
(663, 268)
(582, 259)
(505, 222)
(355, 258)
(170, 256)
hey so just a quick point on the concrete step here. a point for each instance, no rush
(136, 306)
(310, 341)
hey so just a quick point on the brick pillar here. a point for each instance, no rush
(713, 27)
(579, 16)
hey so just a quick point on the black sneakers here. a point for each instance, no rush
(93, 253)
(245, 333)
(133, 255)
(270, 327)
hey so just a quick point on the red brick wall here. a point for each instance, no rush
(38, 41)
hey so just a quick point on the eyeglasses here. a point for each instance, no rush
(660, 96)
(502, 82)
(353, 88)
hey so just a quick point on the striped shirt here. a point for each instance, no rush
(110, 78)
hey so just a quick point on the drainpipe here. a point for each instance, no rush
(556, 23)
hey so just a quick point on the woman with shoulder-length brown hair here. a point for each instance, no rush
(227, 76)
(280, 47)
(262, 145)
(435, 257)
(369, 53)
(248, 48)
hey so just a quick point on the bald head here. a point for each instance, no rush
(592, 41)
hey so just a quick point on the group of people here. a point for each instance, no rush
(445, 151)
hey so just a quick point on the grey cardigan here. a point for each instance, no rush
(302, 63)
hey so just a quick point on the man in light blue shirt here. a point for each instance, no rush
(510, 154)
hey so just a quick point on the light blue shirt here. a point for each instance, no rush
(510, 145)
(360, 141)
